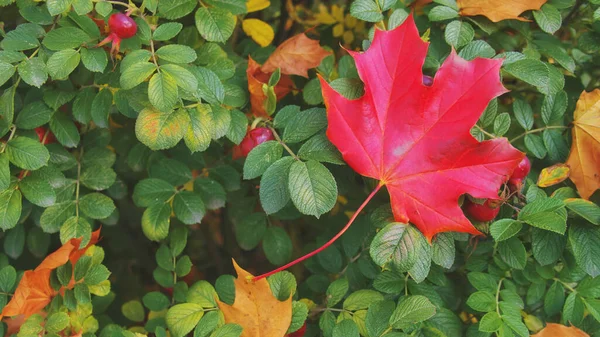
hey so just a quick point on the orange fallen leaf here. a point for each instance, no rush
(553, 175)
(295, 56)
(256, 79)
(34, 291)
(255, 308)
(498, 10)
(558, 330)
(584, 159)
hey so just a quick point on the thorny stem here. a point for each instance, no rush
(329, 243)
(537, 130)
(287, 148)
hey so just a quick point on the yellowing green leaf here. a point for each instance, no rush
(256, 5)
(260, 31)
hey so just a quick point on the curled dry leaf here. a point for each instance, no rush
(558, 330)
(498, 10)
(256, 79)
(553, 175)
(295, 56)
(255, 307)
(584, 159)
(34, 291)
(415, 138)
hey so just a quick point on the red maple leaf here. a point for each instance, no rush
(415, 138)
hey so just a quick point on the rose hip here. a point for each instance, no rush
(252, 139)
(485, 212)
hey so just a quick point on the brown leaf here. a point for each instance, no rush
(558, 330)
(584, 159)
(256, 309)
(498, 10)
(34, 291)
(295, 56)
(256, 79)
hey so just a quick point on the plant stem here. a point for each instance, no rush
(287, 148)
(329, 243)
(13, 129)
(498, 296)
(154, 55)
(537, 130)
(485, 132)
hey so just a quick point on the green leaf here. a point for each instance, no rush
(76, 227)
(183, 77)
(513, 253)
(548, 18)
(54, 216)
(535, 145)
(162, 92)
(395, 247)
(62, 63)
(546, 214)
(483, 301)
(83, 7)
(57, 322)
(94, 59)
(554, 107)
(336, 291)
(155, 221)
(283, 285)
(149, 192)
(501, 124)
(183, 266)
(547, 246)
(65, 38)
(188, 207)
(554, 299)
(133, 311)
(505, 229)
(313, 189)
(160, 130)
(584, 208)
(96, 205)
(378, 316)
(483, 281)
(100, 108)
(585, 241)
(98, 178)
(135, 74)
(213, 193)
(305, 124)
(319, 148)
(215, 24)
(167, 31)
(82, 267)
(96, 274)
(523, 114)
(33, 115)
(4, 172)
(236, 7)
(441, 13)
(27, 153)
(175, 9)
(490, 322)
(156, 301)
(361, 299)
(237, 127)
(198, 133)
(56, 7)
(443, 250)
(261, 157)
(345, 328)
(33, 72)
(555, 144)
(6, 72)
(38, 191)
(10, 208)
(250, 230)
(412, 310)
(64, 130)
(277, 246)
(228, 330)
(274, 193)
(24, 37)
(210, 87)
(176, 53)
(366, 10)
(458, 33)
(538, 74)
(182, 318)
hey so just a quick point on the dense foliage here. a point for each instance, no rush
(147, 143)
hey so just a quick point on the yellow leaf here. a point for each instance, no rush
(323, 16)
(256, 5)
(584, 159)
(498, 10)
(553, 175)
(338, 30)
(260, 31)
(558, 330)
(255, 308)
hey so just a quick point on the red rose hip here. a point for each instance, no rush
(485, 212)
(41, 131)
(252, 139)
(522, 169)
(298, 333)
(122, 25)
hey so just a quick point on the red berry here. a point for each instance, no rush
(253, 139)
(122, 25)
(41, 131)
(427, 80)
(522, 169)
(486, 212)
(298, 333)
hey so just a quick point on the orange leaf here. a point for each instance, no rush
(256, 79)
(558, 330)
(295, 56)
(498, 10)
(553, 175)
(256, 309)
(34, 291)
(584, 159)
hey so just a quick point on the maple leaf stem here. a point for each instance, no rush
(329, 243)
